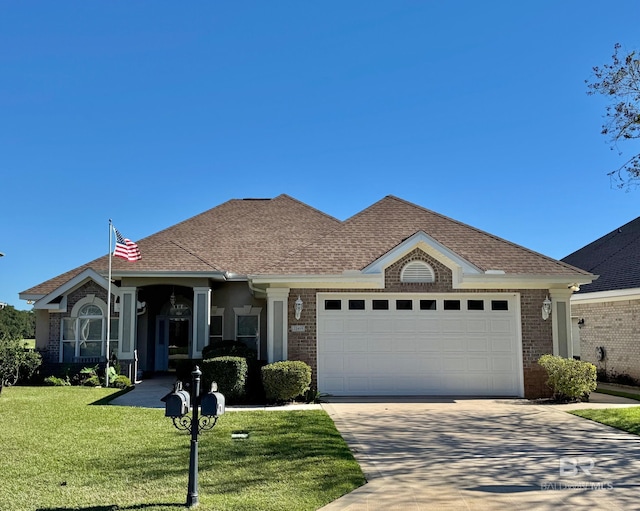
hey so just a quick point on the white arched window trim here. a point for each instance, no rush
(417, 272)
(83, 333)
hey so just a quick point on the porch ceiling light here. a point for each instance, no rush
(298, 307)
(546, 308)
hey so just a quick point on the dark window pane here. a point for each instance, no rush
(499, 305)
(332, 305)
(356, 305)
(380, 305)
(452, 305)
(404, 305)
(475, 305)
(216, 326)
(427, 305)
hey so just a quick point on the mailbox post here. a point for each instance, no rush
(205, 411)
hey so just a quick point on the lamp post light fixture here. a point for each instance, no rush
(205, 411)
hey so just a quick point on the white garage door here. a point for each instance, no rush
(414, 344)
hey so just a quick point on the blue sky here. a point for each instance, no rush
(149, 112)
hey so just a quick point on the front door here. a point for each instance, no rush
(173, 338)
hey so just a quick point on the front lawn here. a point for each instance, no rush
(59, 452)
(626, 419)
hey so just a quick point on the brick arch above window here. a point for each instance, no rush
(417, 272)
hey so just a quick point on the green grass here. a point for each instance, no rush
(626, 419)
(59, 452)
(619, 393)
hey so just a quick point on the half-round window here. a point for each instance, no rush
(417, 272)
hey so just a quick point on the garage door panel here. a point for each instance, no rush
(429, 344)
(333, 344)
(479, 364)
(356, 326)
(380, 325)
(357, 343)
(430, 325)
(502, 364)
(476, 326)
(332, 325)
(413, 352)
(501, 345)
(455, 344)
(501, 326)
(480, 344)
(453, 325)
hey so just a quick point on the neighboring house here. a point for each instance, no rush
(606, 313)
(396, 300)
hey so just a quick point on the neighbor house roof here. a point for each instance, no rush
(614, 256)
(287, 237)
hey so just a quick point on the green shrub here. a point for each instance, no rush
(87, 376)
(121, 382)
(91, 381)
(569, 379)
(57, 382)
(284, 381)
(15, 362)
(229, 349)
(230, 373)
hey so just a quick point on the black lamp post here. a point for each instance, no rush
(205, 411)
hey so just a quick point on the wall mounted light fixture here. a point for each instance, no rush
(546, 308)
(298, 307)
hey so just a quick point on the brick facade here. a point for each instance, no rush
(616, 327)
(536, 333)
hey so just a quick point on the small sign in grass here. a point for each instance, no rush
(60, 453)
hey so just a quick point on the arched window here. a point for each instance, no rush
(417, 272)
(84, 332)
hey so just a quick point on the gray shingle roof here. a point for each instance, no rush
(614, 256)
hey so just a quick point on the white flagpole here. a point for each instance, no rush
(106, 377)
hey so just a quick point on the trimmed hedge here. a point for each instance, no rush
(229, 349)
(570, 380)
(230, 373)
(284, 381)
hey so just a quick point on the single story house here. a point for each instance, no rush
(606, 313)
(396, 300)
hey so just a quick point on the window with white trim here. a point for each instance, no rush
(417, 272)
(84, 334)
(248, 326)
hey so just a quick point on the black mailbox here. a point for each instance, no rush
(178, 403)
(212, 404)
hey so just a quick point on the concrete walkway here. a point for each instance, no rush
(486, 454)
(148, 394)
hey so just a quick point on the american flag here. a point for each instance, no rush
(125, 248)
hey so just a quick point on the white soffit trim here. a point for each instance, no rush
(428, 245)
(348, 279)
(515, 281)
(70, 285)
(617, 295)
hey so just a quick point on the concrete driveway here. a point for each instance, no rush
(486, 454)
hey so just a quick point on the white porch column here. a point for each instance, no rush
(127, 323)
(201, 321)
(277, 323)
(561, 318)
